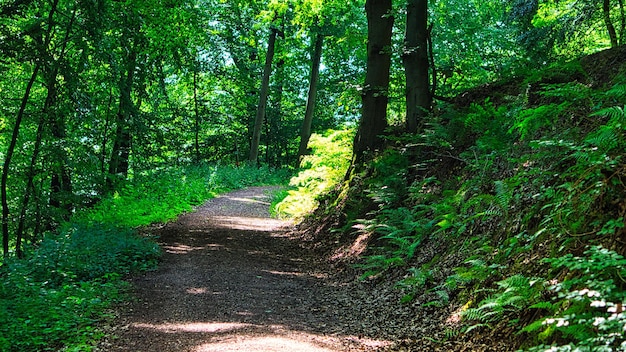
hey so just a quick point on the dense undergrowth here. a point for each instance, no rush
(63, 291)
(509, 208)
(320, 171)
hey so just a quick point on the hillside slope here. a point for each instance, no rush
(503, 223)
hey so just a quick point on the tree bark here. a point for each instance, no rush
(61, 181)
(416, 65)
(622, 28)
(375, 92)
(7, 162)
(30, 188)
(606, 9)
(119, 162)
(196, 112)
(305, 133)
(260, 112)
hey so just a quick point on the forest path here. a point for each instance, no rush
(231, 279)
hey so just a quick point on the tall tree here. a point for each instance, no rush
(305, 133)
(263, 93)
(375, 90)
(416, 64)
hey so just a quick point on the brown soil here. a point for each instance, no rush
(232, 279)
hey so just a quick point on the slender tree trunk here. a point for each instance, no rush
(622, 29)
(30, 186)
(273, 123)
(105, 139)
(196, 112)
(61, 182)
(305, 133)
(119, 162)
(416, 65)
(375, 92)
(260, 113)
(606, 9)
(7, 162)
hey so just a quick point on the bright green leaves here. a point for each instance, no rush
(322, 170)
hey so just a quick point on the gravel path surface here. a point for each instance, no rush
(231, 279)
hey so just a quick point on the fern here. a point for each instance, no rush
(529, 121)
(515, 294)
(617, 91)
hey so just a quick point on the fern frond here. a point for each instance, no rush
(605, 138)
(618, 90)
(615, 114)
(474, 314)
(503, 195)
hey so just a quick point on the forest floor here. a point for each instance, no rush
(234, 279)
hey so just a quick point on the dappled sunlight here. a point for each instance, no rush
(247, 223)
(196, 290)
(283, 273)
(179, 248)
(288, 341)
(233, 336)
(261, 343)
(247, 200)
(296, 274)
(353, 250)
(198, 327)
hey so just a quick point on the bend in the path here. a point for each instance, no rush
(232, 280)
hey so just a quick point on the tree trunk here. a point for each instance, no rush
(196, 112)
(622, 15)
(305, 133)
(61, 182)
(606, 9)
(7, 162)
(260, 112)
(119, 162)
(416, 65)
(30, 186)
(375, 92)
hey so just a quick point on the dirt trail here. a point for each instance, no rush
(231, 279)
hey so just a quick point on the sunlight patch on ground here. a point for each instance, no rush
(285, 273)
(193, 327)
(296, 273)
(197, 290)
(247, 224)
(262, 343)
(180, 248)
(355, 250)
(247, 200)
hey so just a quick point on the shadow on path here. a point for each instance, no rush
(231, 279)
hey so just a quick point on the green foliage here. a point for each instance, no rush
(161, 195)
(487, 120)
(56, 295)
(321, 171)
(588, 307)
(530, 121)
(513, 295)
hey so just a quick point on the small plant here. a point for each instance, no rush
(57, 294)
(514, 294)
(588, 309)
